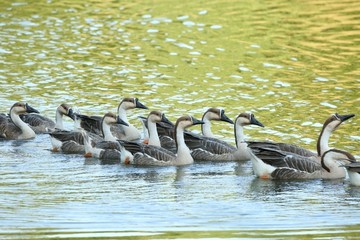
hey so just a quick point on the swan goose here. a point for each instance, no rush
(42, 124)
(149, 155)
(214, 150)
(117, 154)
(274, 164)
(73, 141)
(216, 114)
(124, 132)
(329, 126)
(14, 128)
(106, 153)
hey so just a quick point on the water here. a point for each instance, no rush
(292, 64)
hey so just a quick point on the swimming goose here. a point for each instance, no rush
(166, 132)
(114, 155)
(213, 149)
(73, 141)
(353, 170)
(273, 164)
(144, 154)
(150, 123)
(129, 132)
(14, 127)
(41, 124)
(330, 125)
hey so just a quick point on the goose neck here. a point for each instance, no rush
(27, 132)
(239, 134)
(153, 134)
(59, 120)
(323, 141)
(206, 128)
(108, 136)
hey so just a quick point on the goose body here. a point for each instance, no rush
(125, 132)
(212, 149)
(353, 170)
(42, 124)
(116, 154)
(273, 164)
(73, 141)
(207, 140)
(149, 155)
(330, 125)
(13, 127)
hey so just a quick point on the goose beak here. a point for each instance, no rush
(30, 109)
(196, 121)
(140, 105)
(343, 118)
(71, 114)
(120, 121)
(226, 119)
(165, 120)
(254, 121)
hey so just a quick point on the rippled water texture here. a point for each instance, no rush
(292, 63)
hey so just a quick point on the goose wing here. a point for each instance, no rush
(200, 154)
(286, 147)
(110, 156)
(72, 147)
(290, 173)
(212, 145)
(63, 136)
(38, 123)
(8, 129)
(91, 124)
(280, 159)
(168, 143)
(155, 152)
(108, 145)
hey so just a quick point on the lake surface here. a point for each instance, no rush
(291, 63)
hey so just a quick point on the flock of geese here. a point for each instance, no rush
(113, 139)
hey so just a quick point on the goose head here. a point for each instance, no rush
(131, 103)
(65, 109)
(330, 125)
(157, 116)
(245, 119)
(217, 115)
(187, 121)
(22, 108)
(335, 120)
(111, 118)
(336, 155)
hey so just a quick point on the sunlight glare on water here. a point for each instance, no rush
(290, 63)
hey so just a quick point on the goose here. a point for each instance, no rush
(149, 155)
(166, 132)
(153, 118)
(278, 165)
(41, 124)
(73, 141)
(353, 170)
(117, 154)
(215, 150)
(123, 132)
(13, 127)
(150, 133)
(330, 125)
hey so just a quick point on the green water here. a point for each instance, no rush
(291, 63)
